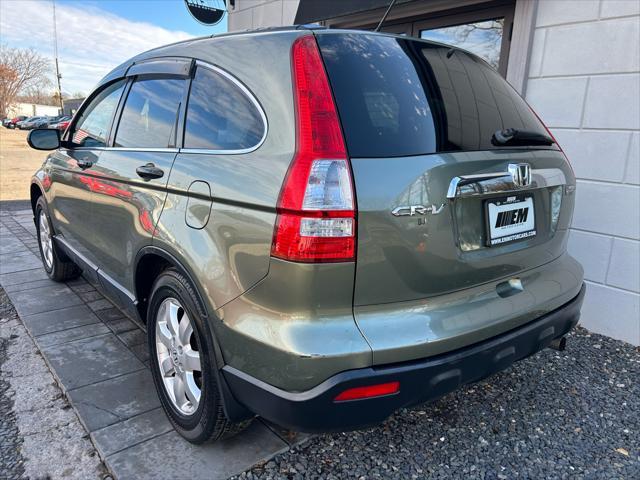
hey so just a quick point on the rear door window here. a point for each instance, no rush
(151, 112)
(220, 115)
(399, 97)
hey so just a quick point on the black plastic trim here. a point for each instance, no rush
(420, 381)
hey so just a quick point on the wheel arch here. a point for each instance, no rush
(150, 262)
(35, 192)
(157, 260)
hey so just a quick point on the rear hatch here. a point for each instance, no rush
(442, 204)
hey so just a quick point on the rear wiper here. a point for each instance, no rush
(513, 136)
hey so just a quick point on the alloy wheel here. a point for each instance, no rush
(178, 357)
(46, 243)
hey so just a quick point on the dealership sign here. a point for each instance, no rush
(207, 12)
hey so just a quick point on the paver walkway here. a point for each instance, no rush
(100, 359)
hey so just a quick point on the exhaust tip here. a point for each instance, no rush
(559, 343)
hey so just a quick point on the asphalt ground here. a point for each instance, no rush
(571, 414)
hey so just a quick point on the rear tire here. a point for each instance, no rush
(183, 362)
(57, 265)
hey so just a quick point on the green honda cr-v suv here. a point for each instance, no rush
(316, 226)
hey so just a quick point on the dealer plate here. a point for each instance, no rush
(510, 219)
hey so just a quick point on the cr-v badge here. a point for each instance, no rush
(411, 210)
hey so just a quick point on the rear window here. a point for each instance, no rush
(150, 114)
(220, 116)
(397, 96)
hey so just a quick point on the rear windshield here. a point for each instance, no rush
(398, 96)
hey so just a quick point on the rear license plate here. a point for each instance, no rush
(510, 219)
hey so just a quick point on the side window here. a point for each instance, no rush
(93, 124)
(150, 114)
(220, 116)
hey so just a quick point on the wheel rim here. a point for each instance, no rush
(177, 356)
(46, 244)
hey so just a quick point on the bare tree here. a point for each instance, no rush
(20, 70)
(489, 38)
(38, 95)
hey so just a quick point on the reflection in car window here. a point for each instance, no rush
(482, 38)
(401, 97)
(220, 116)
(150, 114)
(93, 125)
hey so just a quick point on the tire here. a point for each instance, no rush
(190, 397)
(57, 265)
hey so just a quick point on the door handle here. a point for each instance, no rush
(149, 171)
(84, 163)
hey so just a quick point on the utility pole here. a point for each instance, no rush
(55, 48)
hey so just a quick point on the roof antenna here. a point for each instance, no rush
(384, 17)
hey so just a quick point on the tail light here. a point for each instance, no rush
(316, 209)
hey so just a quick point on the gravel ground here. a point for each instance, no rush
(40, 435)
(572, 414)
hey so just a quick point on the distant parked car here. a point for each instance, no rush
(61, 123)
(20, 124)
(44, 122)
(31, 123)
(12, 123)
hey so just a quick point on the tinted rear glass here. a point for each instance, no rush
(220, 116)
(150, 113)
(398, 96)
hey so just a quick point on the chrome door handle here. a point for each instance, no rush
(84, 163)
(149, 171)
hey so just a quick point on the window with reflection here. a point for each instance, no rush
(151, 113)
(401, 97)
(220, 116)
(93, 125)
(482, 38)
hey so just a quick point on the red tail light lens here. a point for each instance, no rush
(369, 391)
(316, 210)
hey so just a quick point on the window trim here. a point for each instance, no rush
(247, 93)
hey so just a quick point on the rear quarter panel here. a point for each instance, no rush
(231, 253)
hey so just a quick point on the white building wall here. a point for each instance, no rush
(32, 109)
(248, 14)
(584, 81)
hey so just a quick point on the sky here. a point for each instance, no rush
(95, 36)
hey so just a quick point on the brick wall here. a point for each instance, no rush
(584, 81)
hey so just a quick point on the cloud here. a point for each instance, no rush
(91, 41)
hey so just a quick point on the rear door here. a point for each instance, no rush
(131, 173)
(440, 206)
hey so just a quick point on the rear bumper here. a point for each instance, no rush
(314, 410)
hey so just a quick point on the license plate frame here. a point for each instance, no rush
(509, 227)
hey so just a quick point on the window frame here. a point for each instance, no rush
(247, 93)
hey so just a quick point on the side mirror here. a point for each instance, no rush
(44, 139)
